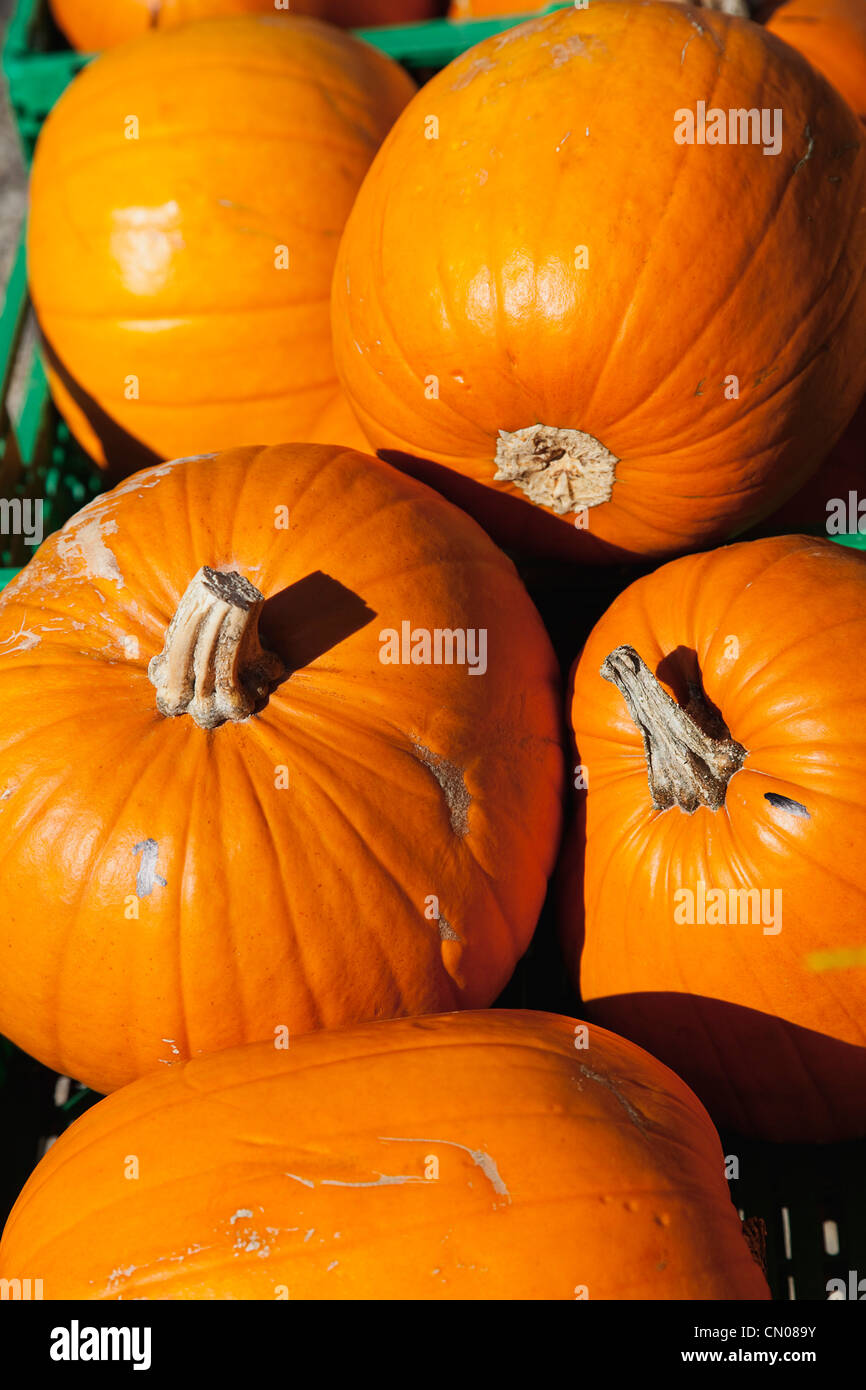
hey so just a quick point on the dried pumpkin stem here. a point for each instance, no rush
(690, 755)
(213, 666)
(564, 469)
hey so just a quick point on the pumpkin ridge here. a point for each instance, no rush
(616, 333)
(377, 938)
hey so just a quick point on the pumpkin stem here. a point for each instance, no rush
(690, 754)
(213, 666)
(566, 470)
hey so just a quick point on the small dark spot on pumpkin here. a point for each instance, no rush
(785, 803)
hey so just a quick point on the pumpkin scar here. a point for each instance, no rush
(810, 145)
(633, 1113)
(446, 931)
(787, 803)
(382, 1180)
(453, 784)
(147, 878)
(482, 1160)
(87, 544)
(27, 640)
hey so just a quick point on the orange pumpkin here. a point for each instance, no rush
(578, 340)
(91, 25)
(832, 35)
(491, 1155)
(187, 197)
(713, 900)
(207, 835)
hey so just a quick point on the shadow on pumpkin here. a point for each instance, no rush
(309, 618)
(514, 524)
(754, 1072)
(124, 454)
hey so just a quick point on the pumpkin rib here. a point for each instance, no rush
(389, 876)
(110, 316)
(604, 357)
(748, 410)
(304, 972)
(65, 173)
(56, 1012)
(402, 360)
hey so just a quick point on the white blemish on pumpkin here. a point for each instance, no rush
(332, 1265)
(699, 30)
(147, 878)
(531, 27)
(305, 1181)
(572, 47)
(476, 67)
(383, 1180)
(310, 1232)
(634, 1114)
(23, 638)
(8, 790)
(482, 1160)
(562, 141)
(482, 176)
(810, 145)
(87, 544)
(148, 478)
(173, 1045)
(239, 1214)
(121, 1273)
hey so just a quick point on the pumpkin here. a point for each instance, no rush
(490, 1155)
(712, 898)
(219, 816)
(832, 35)
(187, 197)
(579, 342)
(91, 25)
